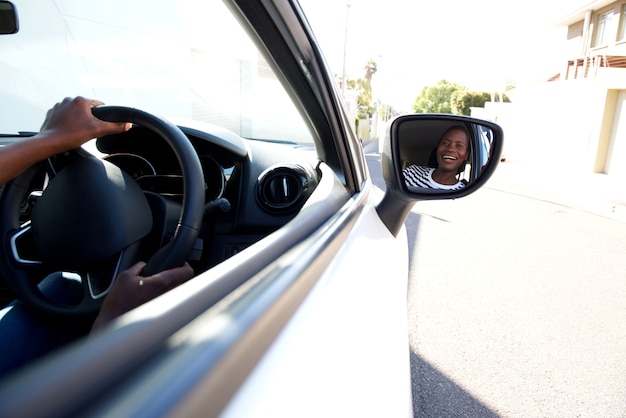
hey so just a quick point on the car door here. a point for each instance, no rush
(309, 321)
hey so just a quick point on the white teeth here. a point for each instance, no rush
(448, 157)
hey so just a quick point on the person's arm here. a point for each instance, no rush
(68, 125)
(131, 290)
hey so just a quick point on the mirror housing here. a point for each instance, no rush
(8, 18)
(420, 149)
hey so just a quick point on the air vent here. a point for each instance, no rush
(282, 189)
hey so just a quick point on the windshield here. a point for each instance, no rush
(178, 59)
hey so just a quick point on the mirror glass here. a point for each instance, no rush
(442, 153)
(8, 18)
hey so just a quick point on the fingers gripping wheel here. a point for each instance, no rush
(176, 252)
(87, 226)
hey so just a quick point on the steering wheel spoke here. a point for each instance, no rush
(98, 281)
(54, 164)
(23, 249)
(90, 221)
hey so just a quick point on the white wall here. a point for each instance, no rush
(553, 123)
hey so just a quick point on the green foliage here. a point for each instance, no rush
(363, 88)
(437, 98)
(370, 69)
(386, 112)
(445, 97)
(463, 100)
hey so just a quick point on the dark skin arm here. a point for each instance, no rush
(68, 125)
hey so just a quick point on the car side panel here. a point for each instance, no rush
(345, 352)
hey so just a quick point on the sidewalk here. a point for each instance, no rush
(592, 192)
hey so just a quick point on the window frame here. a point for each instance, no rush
(603, 26)
(621, 35)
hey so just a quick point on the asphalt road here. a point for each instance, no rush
(517, 304)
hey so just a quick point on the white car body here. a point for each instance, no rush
(334, 342)
(340, 340)
(299, 303)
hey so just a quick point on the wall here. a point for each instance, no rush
(573, 47)
(555, 123)
(613, 140)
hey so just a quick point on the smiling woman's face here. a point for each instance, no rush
(452, 150)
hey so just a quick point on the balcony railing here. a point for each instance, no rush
(590, 66)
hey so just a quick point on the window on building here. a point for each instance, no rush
(603, 30)
(622, 25)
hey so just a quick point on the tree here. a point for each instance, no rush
(364, 93)
(370, 69)
(386, 112)
(462, 101)
(437, 98)
(363, 89)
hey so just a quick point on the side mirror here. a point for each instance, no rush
(435, 156)
(8, 18)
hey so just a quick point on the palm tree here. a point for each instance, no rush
(370, 69)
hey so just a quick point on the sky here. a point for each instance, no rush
(484, 45)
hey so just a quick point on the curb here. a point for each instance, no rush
(595, 193)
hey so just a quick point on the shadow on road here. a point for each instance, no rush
(435, 395)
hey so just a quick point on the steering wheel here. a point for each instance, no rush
(92, 220)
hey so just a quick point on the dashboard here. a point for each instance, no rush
(251, 187)
(169, 182)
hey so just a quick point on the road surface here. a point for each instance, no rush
(517, 304)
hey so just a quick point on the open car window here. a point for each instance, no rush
(185, 63)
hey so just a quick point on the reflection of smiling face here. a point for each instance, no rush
(452, 150)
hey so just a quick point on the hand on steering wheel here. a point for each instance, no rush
(91, 219)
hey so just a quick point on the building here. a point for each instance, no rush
(575, 120)
(596, 68)
(596, 40)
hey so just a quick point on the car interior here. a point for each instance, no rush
(255, 178)
(251, 189)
